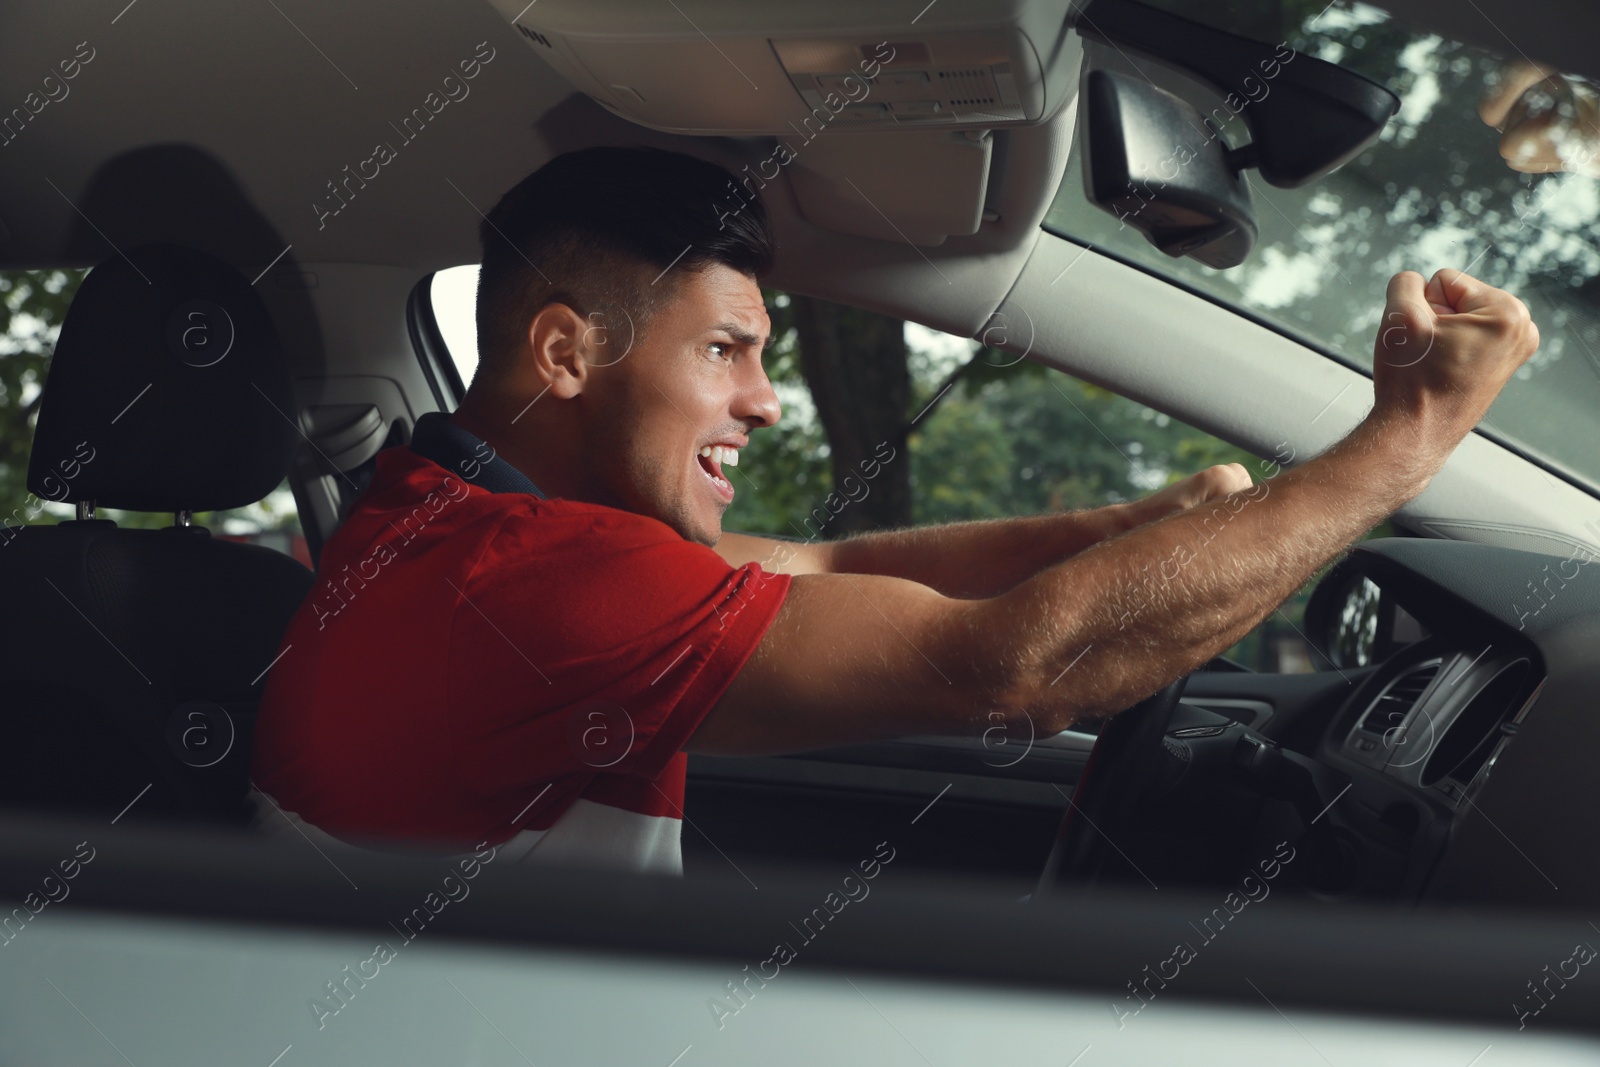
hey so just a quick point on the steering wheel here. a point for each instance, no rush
(1125, 760)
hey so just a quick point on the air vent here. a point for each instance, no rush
(1475, 733)
(1398, 698)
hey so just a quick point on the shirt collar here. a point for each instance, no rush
(436, 438)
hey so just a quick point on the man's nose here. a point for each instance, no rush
(757, 402)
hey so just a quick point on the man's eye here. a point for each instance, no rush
(721, 349)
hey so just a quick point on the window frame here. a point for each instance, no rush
(433, 354)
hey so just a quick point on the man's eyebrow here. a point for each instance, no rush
(744, 336)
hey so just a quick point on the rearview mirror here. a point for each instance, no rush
(1148, 161)
(1312, 118)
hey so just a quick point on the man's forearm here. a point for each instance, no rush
(1104, 629)
(972, 560)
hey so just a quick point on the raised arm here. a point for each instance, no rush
(853, 658)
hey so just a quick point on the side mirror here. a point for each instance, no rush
(1148, 162)
(1345, 618)
(1354, 622)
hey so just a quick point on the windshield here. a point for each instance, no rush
(1434, 191)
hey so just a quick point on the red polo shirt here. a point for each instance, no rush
(477, 666)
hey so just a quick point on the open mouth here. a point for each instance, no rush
(711, 459)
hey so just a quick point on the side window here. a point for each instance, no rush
(888, 423)
(454, 296)
(1028, 440)
(33, 304)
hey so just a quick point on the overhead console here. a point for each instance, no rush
(822, 78)
(736, 68)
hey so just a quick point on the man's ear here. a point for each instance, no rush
(559, 344)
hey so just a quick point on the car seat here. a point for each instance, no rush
(133, 659)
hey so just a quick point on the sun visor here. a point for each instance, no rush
(742, 69)
(881, 127)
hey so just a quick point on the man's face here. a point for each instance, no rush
(691, 384)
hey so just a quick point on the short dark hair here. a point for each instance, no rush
(595, 229)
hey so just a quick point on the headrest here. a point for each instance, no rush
(167, 390)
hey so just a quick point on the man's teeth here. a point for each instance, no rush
(721, 455)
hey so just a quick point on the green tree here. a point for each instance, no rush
(855, 364)
(33, 304)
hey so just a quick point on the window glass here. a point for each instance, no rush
(1433, 191)
(1007, 438)
(454, 294)
(1032, 440)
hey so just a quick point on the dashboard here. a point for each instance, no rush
(1470, 745)
(1419, 740)
(1447, 758)
(1437, 724)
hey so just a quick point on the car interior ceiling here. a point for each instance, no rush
(222, 186)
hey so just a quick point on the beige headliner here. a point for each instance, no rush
(235, 119)
(277, 107)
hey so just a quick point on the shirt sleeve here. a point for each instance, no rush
(592, 640)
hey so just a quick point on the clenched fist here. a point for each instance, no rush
(1213, 483)
(1445, 349)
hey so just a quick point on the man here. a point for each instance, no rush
(532, 613)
